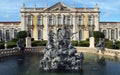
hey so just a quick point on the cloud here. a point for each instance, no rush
(107, 7)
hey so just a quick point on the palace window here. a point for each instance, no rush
(39, 20)
(116, 33)
(30, 22)
(50, 20)
(80, 35)
(59, 20)
(0, 34)
(104, 32)
(108, 33)
(68, 20)
(80, 20)
(90, 33)
(90, 20)
(7, 35)
(112, 34)
(39, 34)
(119, 33)
(15, 33)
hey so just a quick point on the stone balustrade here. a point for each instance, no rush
(9, 52)
(111, 52)
(15, 51)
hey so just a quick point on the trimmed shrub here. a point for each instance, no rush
(44, 43)
(11, 44)
(39, 43)
(36, 43)
(98, 34)
(22, 34)
(84, 43)
(75, 43)
(14, 40)
(2, 45)
(109, 44)
(32, 39)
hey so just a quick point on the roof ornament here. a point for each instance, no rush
(34, 7)
(23, 5)
(46, 5)
(96, 6)
(85, 7)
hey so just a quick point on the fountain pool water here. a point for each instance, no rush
(93, 65)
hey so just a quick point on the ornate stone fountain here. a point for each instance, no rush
(60, 54)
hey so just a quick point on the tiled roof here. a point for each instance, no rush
(9, 23)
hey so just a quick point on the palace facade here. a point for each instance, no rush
(38, 21)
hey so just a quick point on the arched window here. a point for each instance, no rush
(80, 20)
(39, 20)
(90, 20)
(50, 20)
(30, 22)
(59, 20)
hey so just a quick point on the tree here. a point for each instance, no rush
(98, 34)
(22, 34)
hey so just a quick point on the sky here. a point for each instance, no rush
(109, 9)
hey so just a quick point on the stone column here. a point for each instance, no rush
(118, 34)
(28, 42)
(82, 34)
(96, 22)
(23, 22)
(92, 43)
(110, 33)
(45, 29)
(74, 28)
(115, 34)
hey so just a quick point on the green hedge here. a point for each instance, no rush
(109, 44)
(1, 45)
(84, 43)
(39, 43)
(75, 43)
(11, 44)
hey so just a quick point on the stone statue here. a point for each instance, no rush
(114, 43)
(20, 44)
(101, 45)
(60, 54)
(28, 34)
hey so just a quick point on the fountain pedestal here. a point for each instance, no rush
(60, 54)
(92, 42)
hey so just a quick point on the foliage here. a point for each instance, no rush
(109, 44)
(36, 43)
(84, 43)
(1, 45)
(22, 34)
(75, 43)
(11, 44)
(39, 43)
(98, 34)
(15, 40)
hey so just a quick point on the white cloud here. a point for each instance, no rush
(107, 7)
